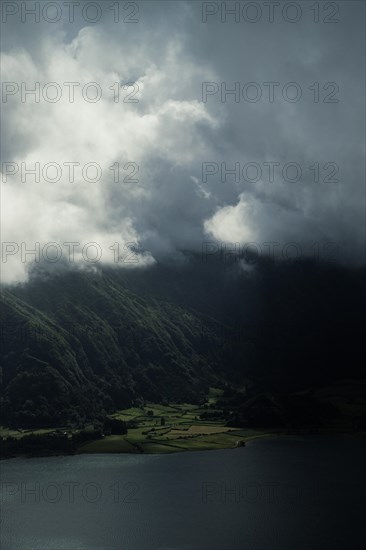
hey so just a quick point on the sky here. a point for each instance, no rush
(164, 126)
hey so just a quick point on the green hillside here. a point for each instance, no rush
(78, 345)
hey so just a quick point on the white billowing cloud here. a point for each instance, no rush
(278, 219)
(158, 126)
(231, 223)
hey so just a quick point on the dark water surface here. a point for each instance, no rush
(280, 494)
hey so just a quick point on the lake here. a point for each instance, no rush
(278, 494)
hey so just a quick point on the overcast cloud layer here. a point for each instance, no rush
(169, 132)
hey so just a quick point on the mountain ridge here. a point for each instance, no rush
(78, 345)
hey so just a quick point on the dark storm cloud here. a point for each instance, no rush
(171, 132)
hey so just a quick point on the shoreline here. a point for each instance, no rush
(239, 444)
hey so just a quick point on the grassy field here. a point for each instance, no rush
(171, 428)
(156, 428)
(109, 444)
